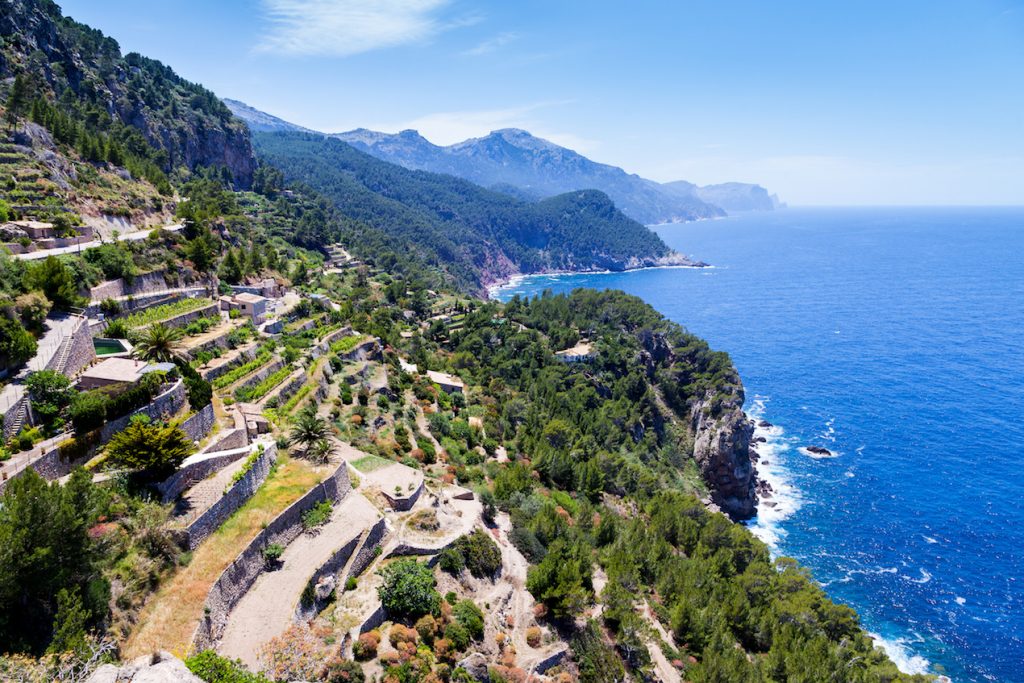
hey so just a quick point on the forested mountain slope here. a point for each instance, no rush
(127, 107)
(479, 236)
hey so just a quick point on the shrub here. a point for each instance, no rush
(297, 654)
(451, 561)
(481, 554)
(409, 589)
(426, 627)
(317, 516)
(88, 411)
(16, 344)
(153, 449)
(272, 553)
(533, 636)
(472, 619)
(50, 393)
(110, 306)
(400, 634)
(365, 647)
(213, 668)
(351, 583)
(116, 329)
(340, 670)
(457, 635)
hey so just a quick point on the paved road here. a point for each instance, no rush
(74, 249)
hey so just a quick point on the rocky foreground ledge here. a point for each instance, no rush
(159, 667)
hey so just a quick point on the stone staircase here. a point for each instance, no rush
(62, 355)
(20, 415)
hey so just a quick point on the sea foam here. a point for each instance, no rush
(771, 468)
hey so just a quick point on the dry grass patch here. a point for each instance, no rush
(170, 617)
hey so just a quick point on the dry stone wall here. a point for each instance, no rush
(369, 549)
(236, 496)
(195, 469)
(208, 311)
(328, 573)
(240, 575)
(261, 374)
(80, 353)
(164, 405)
(244, 356)
(199, 426)
(146, 283)
(232, 438)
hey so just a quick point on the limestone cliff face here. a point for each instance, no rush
(721, 447)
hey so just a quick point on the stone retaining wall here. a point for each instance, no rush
(183, 319)
(51, 465)
(81, 353)
(369, 349)
(368, 551)
(142, 302)
(195, 469)
(240, 575)
(286, 389)
(550, 661)
(162, 406)
(199, 426)
(12, 415)
(403, 503)
(244, 356)
(237, 437)
(329, 572)
(236, 496)
(379, 616)
(218, 342)
(267, 370)
(155, 281)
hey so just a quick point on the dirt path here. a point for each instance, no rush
(664, 669)
(514, 601)
(269, 606)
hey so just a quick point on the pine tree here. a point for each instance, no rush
(231, 269)
(17, 100)
(70, 623)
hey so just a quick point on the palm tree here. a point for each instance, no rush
(321, 451)
(159, 343)
(308, 428)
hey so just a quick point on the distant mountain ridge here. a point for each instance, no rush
(477, 235)
(516, 162)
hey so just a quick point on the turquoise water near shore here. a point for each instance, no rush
(894, 338)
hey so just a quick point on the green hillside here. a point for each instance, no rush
(477, 235)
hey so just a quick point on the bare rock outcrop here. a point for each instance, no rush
(721, 447)
(159, 667)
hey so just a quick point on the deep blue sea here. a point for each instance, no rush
(894, 338)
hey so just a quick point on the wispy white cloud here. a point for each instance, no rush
(445, 128)
(346, 27)
(492, 44)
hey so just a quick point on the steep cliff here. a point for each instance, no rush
(83, 73)
(721, 447)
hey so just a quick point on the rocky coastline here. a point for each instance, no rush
(494, 282)
(722, 447)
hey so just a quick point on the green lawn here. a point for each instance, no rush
(371, 463)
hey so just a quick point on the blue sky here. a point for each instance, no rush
(906, 102)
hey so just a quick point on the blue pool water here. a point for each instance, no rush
(894, 338)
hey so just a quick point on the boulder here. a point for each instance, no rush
(159, 667)
(476, 665)
(818, 450)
